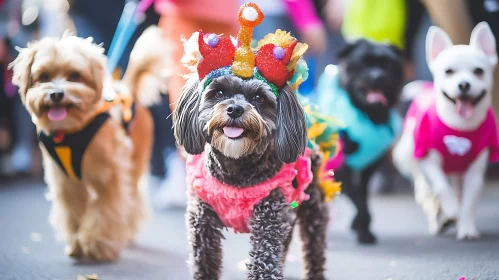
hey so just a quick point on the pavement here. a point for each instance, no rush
(405, 251)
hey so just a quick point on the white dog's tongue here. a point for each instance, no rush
(464, 108)
(233, 132)
(375, 96)
(57, 113)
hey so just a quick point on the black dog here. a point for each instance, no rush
(372, 76)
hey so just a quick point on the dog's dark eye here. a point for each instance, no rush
(449, 71)
(74, 77)
(258, 99)
(478, 71)
(219, 94)
(44, 77)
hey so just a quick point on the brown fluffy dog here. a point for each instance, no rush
(61, 83)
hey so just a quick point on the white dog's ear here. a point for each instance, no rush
(436, 41)
(483, 39)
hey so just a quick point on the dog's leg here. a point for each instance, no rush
(360, 223)
(362, 220)
(431, 167)
(104, 228)
(270, 226)
(139, 210)
(205, 237)
(472, 187)
(345, 176)
(427, 200)
(141, 134)
(69, 203)
(313, 218)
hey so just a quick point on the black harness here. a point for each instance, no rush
(67, 149)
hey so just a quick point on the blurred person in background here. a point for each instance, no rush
(179, 19)
(98, 19)
(6, 101)
(18, 25)
(101, 24)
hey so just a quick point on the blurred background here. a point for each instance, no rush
(323, 24)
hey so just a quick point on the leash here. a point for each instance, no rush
(132, 16)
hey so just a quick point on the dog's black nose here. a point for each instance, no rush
(464, 86)
(376, 75)
(235, 111)
(57, 96)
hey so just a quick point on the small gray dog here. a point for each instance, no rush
(248, 168)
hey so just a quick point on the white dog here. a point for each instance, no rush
(450, 132)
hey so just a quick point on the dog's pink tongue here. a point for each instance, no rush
(464, 108)
(57, 113)
(375, 96)
(233, 132)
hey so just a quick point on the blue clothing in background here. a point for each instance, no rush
(373, 139)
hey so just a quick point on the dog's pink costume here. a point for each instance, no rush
(457, 148)
(234, 205)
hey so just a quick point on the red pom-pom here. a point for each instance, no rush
(217, 56)
(273, 68)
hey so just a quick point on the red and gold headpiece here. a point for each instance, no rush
(273, 61)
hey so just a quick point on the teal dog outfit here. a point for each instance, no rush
(373, 139)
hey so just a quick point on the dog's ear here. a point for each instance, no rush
(483, 39)
(95, 55)
(436, 42)
(398, 51)
(21, 67)
(344, 51)
(291, 133)
(186, 126)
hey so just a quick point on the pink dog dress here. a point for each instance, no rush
(457, 148)
(234, 205)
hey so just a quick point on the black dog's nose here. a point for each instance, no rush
(57, 96)
(376, 75)
(464, 86)
(235, 111)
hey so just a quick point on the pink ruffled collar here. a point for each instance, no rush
(234, 205)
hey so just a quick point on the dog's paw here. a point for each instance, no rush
(433, 226)
(449, 205)
(73, 249)
(365, 237)
(467, 232)
(444, 225)
(439, 224)
(99, 249)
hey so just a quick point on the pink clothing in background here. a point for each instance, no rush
(457, 148)
(211, 10)
(234, 205)
(302, 14)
